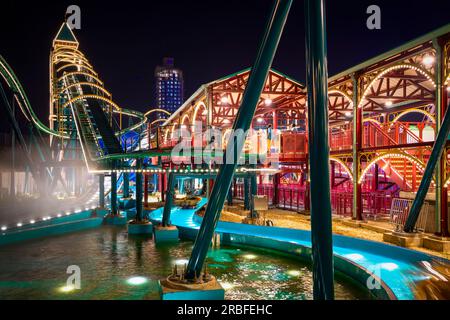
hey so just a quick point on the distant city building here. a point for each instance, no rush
(169, 87)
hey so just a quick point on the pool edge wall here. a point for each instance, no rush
(57, 226)
(356, 272)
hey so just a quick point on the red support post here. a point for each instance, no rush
(358, 193)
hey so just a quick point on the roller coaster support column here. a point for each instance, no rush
(126, 184)
(114, 210)
(357, 144)
(440, 173)
(317, 84)
(230, 197)
(139, 207)
(146, 177)
(435, 157)
(246, 194)
(165, 232)
(260, 70)
(115, 218)
(169, 200)
(139, 225)
(101, 190)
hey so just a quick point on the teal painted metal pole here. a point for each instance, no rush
(114, 210)
(258, 76)
(253, 185)
(139, 190)
(169, 200)
(246, 194)
(101, 190)
(317, 84)
(126, 184)
(436, 154)
(230, 197)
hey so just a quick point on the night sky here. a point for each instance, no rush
(125, 40)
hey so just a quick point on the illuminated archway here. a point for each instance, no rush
(414, 110)
(343, 165)
(396, 155)
(392, 68)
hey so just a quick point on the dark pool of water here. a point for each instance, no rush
(116, 266)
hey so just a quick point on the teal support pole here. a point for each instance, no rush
(169, 200)
(317, 85)
(139, 190)
(101, 190)
(435, 156)
(246, 194)
(230, 197)
(114, 210)
(253, 185)
(244, 117)
(126, 184)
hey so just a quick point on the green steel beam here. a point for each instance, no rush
(139, 190)
(317, 84)
(126, 184)
(101, 190)
(169, 200)
(252, 93)
(246, 194)
(114, 210)
(436, 153)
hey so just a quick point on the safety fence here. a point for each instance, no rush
(375, 205)
(400, 210)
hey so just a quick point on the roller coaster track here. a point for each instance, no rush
(77, 88)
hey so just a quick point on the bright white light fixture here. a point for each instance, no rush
(227, 285)
(181, 261)
(66, 289)
(136, 281)
(224, 99)
(268, 102)
(249, 256)
(294, 273)
(260, 120)
(348, 114)
(4, 228)
(19, 224)
(428, 60)
(388, 103)
(32, 221)
(390, 266)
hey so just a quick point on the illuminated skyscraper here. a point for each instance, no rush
(169, 86)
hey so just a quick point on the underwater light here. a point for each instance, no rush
(354, 256)
(227, 285)
(249, 256)
(388, 266)
(32, 221)
(66, 289)
(294, 273)
(19, 224)
(181, 261)
(136, 281)
(67, 213)
(4, 228)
